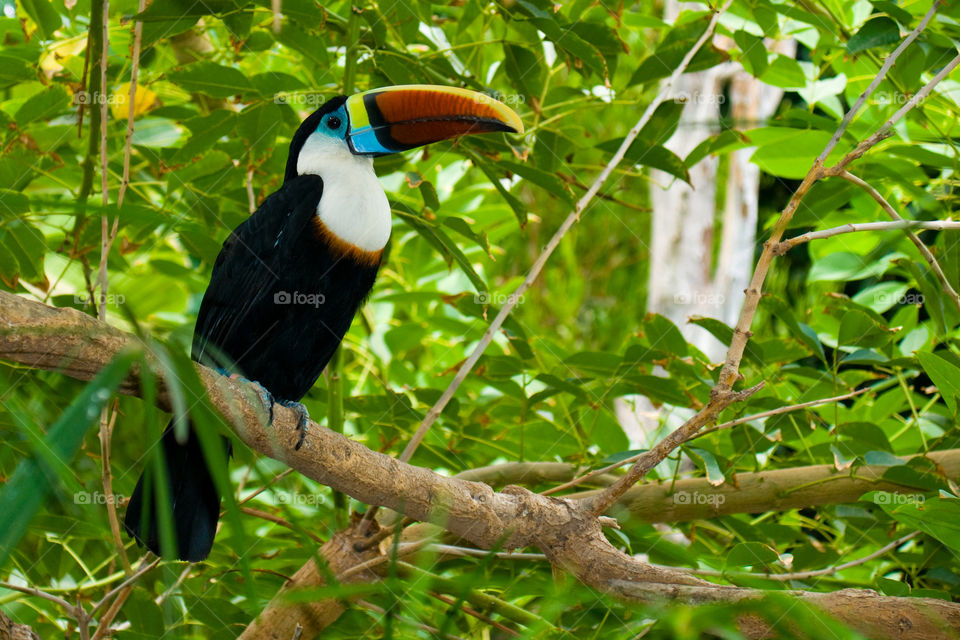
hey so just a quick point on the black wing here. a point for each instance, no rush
(246, 276)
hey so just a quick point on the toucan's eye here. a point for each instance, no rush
(333, 122)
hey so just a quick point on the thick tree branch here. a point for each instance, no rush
(10, 630)
(77, 345)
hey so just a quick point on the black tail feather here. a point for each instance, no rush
(194, 500)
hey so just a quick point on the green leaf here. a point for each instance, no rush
(785, 73)
(724, 334)
(663, 334)
(525, 70)
(642, 152)
(258, 125)
(671, 51)
(659, 390)
(747, 554)
(754, 52)
(442, 242)
(859, 329)
(44, 105)
(876, 32)
(937, 517)
(519, 210)
(600, 363)
(714, 475)
(542, 179)
(293, 36)
(212, 79)
(26, 244)
(156, 133)
(945, 374)
(792, 155)
(44, 15)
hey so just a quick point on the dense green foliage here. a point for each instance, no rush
(222, 87)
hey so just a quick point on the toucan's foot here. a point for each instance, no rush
(267, 399)
(265, 396)
(302, 421)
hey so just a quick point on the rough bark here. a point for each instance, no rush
(775, 490)
(283, 616)
(10, 630)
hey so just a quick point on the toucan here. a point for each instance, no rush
(289, 280)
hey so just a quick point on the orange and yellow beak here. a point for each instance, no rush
(408, 116)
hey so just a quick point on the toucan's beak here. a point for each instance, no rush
(408, 116)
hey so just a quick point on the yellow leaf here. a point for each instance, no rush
(143, 101)
(52, 59)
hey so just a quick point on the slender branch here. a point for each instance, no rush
(136, 575)
(455, 551)
(757, 416)
(131, 101)
(887, 65)
(476, 614)
(106, 478)
(815, 573)
(104, 160)
(410, 621)
(251, 197)
(924, 251)
(31, 591)
(854, 227)
(788, 409)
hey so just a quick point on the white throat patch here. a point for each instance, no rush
(353, 205)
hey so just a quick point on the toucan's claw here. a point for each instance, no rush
(302, 421)
(265, 396)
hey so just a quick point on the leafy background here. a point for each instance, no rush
(223, 84)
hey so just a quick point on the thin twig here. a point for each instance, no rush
(279, 476)
(781, 410)
(136, 575)
(106, 477)
(183, 576)
(854, 227)
(815, 573)
(887, 64)
(410, 621)
(104, 186)
(726, 425)
(476, 614)
(921, 247)
(131, 101)
(31, 591)
(251, 197)
(451, 550)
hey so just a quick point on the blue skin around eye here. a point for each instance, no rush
(363, 141)
(341, 131)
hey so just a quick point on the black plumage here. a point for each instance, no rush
(283, 293)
